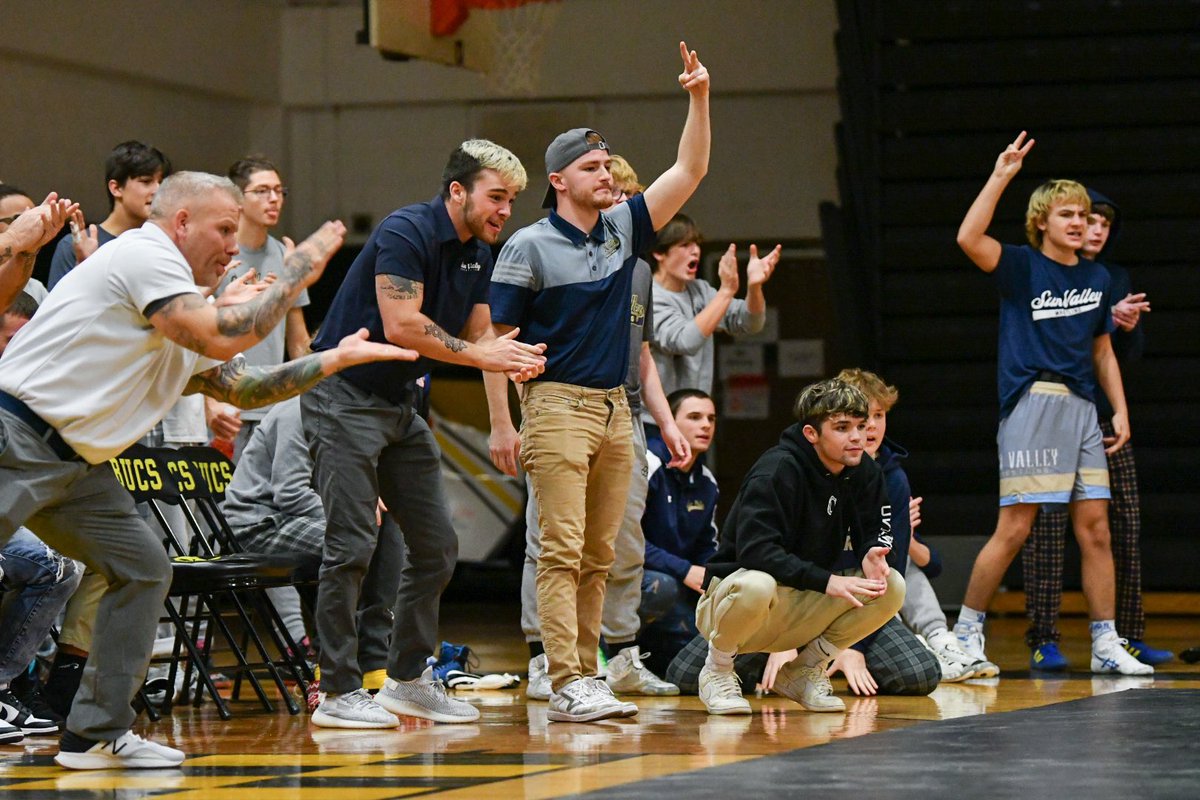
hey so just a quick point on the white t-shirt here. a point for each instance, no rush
(90, 363)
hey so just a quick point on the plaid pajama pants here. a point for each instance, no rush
(1042, 556)
(896, 659)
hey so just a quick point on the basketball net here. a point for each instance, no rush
(518, 39)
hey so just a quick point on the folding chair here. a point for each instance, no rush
(153, 477)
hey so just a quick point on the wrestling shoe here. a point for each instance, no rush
(954, 663)
(721, 691)
(628, 675)
(538, 687)
(424, 697)
(1047, 658)
(14, 712)
(1147, 654)
(355, 709)
(583, 700)
(808, 686)
(1109, 655)
(129, 751)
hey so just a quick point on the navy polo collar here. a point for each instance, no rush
(443, 224)
(577, 236)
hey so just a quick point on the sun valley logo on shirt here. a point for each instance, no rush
(474, 266)
(1047, 305)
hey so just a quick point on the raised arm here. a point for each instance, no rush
(222, 332)
(252, 387)
(667, 195)
(1108, 374)
(973, 237)
(27, 234)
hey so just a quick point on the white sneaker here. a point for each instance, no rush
(538, 687)
(971, 641)
(808, 686)
(1109, 655)
(424, 697)
(355, 709)
(582, 700)
(628, 709)
(721, 692)
(628, 675)
(955, 664)
(129, 751)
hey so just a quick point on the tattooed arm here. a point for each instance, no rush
(251, 387)
(404, 324)
(223, 332)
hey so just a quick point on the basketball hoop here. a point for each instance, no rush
(518, 35)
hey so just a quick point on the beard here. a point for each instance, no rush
(477, 223)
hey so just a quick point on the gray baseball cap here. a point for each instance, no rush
(567, 147)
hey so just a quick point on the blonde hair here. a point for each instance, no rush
(624, 177)
(871, 385)
(475, 155)
(1046, 195)
(820, 401)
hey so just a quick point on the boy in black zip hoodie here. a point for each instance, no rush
(770, 586)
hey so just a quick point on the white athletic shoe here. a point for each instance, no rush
(721, 691)
(628, 675)
(955, 664)
(129, 751)
(1109, 655)
(971, 641)
(538, 687)
(355, 709)
(424, 697)
(808, 686)
(585, 700)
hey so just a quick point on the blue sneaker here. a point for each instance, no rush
(451, 658)
(1147, 654)
(1047, 658)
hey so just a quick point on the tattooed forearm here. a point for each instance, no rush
(452, 344)
(252, 387)
(395, 287)
(257, 316)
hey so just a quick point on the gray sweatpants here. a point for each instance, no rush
(623, 588)
(84, 513)
(921, 610)
(365, 448)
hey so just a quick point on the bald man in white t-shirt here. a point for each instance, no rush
(111, 350)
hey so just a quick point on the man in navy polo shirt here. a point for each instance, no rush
(422, 278)
(566, 281)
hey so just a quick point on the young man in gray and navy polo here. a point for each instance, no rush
(565, 281)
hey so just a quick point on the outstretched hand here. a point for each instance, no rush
(358, 349)
(1009, 162)
(759, 270)
(694, 77)
(847, 586)
(1128, 311)
(314, 253)
(519, 361)
(875, 564)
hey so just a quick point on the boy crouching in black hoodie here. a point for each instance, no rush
(769, 587)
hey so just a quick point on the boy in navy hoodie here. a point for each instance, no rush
(1042, 557)
(770, 586)
(1054, 350)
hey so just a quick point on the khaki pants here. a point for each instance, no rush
(577, 446)
(748, 612)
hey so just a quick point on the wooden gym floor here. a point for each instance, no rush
(673, 745)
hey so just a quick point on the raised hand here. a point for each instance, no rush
(694, 77)
(914, 512)
(309, 258)
(1009, 162)
(727, 271)
(30, 231)
(759, 270)
(85, 239)
(244, 287)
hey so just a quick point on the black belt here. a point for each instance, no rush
(1051, 377)
(43, 429)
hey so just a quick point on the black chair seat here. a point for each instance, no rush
(194, 575)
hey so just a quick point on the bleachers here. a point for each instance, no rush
(931, 91)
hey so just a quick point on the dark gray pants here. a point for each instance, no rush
(84, 513)
(366, 448)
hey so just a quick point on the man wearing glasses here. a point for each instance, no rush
(263, 193)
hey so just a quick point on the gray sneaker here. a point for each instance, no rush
(538, 687)
(808, 686)
(424, 697)
(585, 700)
(721, 692)
(628, 675)
(355, 709)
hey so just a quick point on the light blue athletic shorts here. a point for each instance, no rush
(1051, 449)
